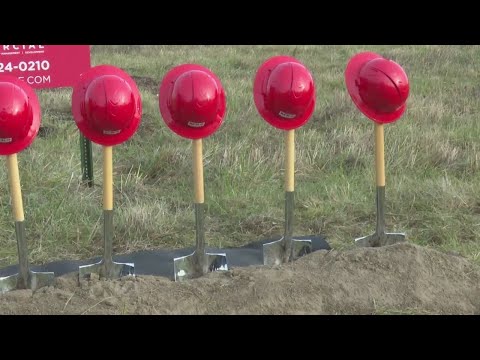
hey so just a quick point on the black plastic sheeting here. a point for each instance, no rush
(160, 262)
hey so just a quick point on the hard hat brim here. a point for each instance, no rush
(351, 73)
(78, 100)
(259, 87)
(165, 91)
(21, 144)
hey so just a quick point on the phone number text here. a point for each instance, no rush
(25, 66)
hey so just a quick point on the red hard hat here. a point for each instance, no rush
(284, 92)
(19, 115)
(106, 105)
(379, 87)
(192, 101)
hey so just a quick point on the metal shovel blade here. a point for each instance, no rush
(278, 252)
(107, 268)
(35, 280)
(380, 237)
(197, 264)
(286, 249)
(113, 271)
(376, 240)
(25, 278)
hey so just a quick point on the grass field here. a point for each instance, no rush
(432, 160)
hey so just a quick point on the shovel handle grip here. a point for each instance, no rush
(290, 160)
(15, 189)
(379, 155)
(107, 178)
(198, 171)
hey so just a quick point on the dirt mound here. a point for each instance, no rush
(402, 278)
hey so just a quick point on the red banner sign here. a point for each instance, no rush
(45, 66)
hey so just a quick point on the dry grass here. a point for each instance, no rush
(433, 182)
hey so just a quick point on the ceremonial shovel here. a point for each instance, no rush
(287, 249)
(199, 262)
(25, 278)
(380, 237)
(107, 268)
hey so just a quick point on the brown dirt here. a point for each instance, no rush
(402, 278)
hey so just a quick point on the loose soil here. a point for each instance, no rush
(397, 279)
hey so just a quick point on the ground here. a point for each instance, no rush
(432, 190)
(398, 279)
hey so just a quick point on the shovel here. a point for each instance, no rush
(287, 249)
(380, 237)
(25, 278)
(199, 262)
(107, 268)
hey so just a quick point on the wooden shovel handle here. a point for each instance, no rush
(107, 178)
(15, 189)
(198, 171)
(290, 160)
(379, 155)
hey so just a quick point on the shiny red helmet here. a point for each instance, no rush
(379, 87)
(192, 101)
(284, 92)
(19, 115)
(106, 105)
